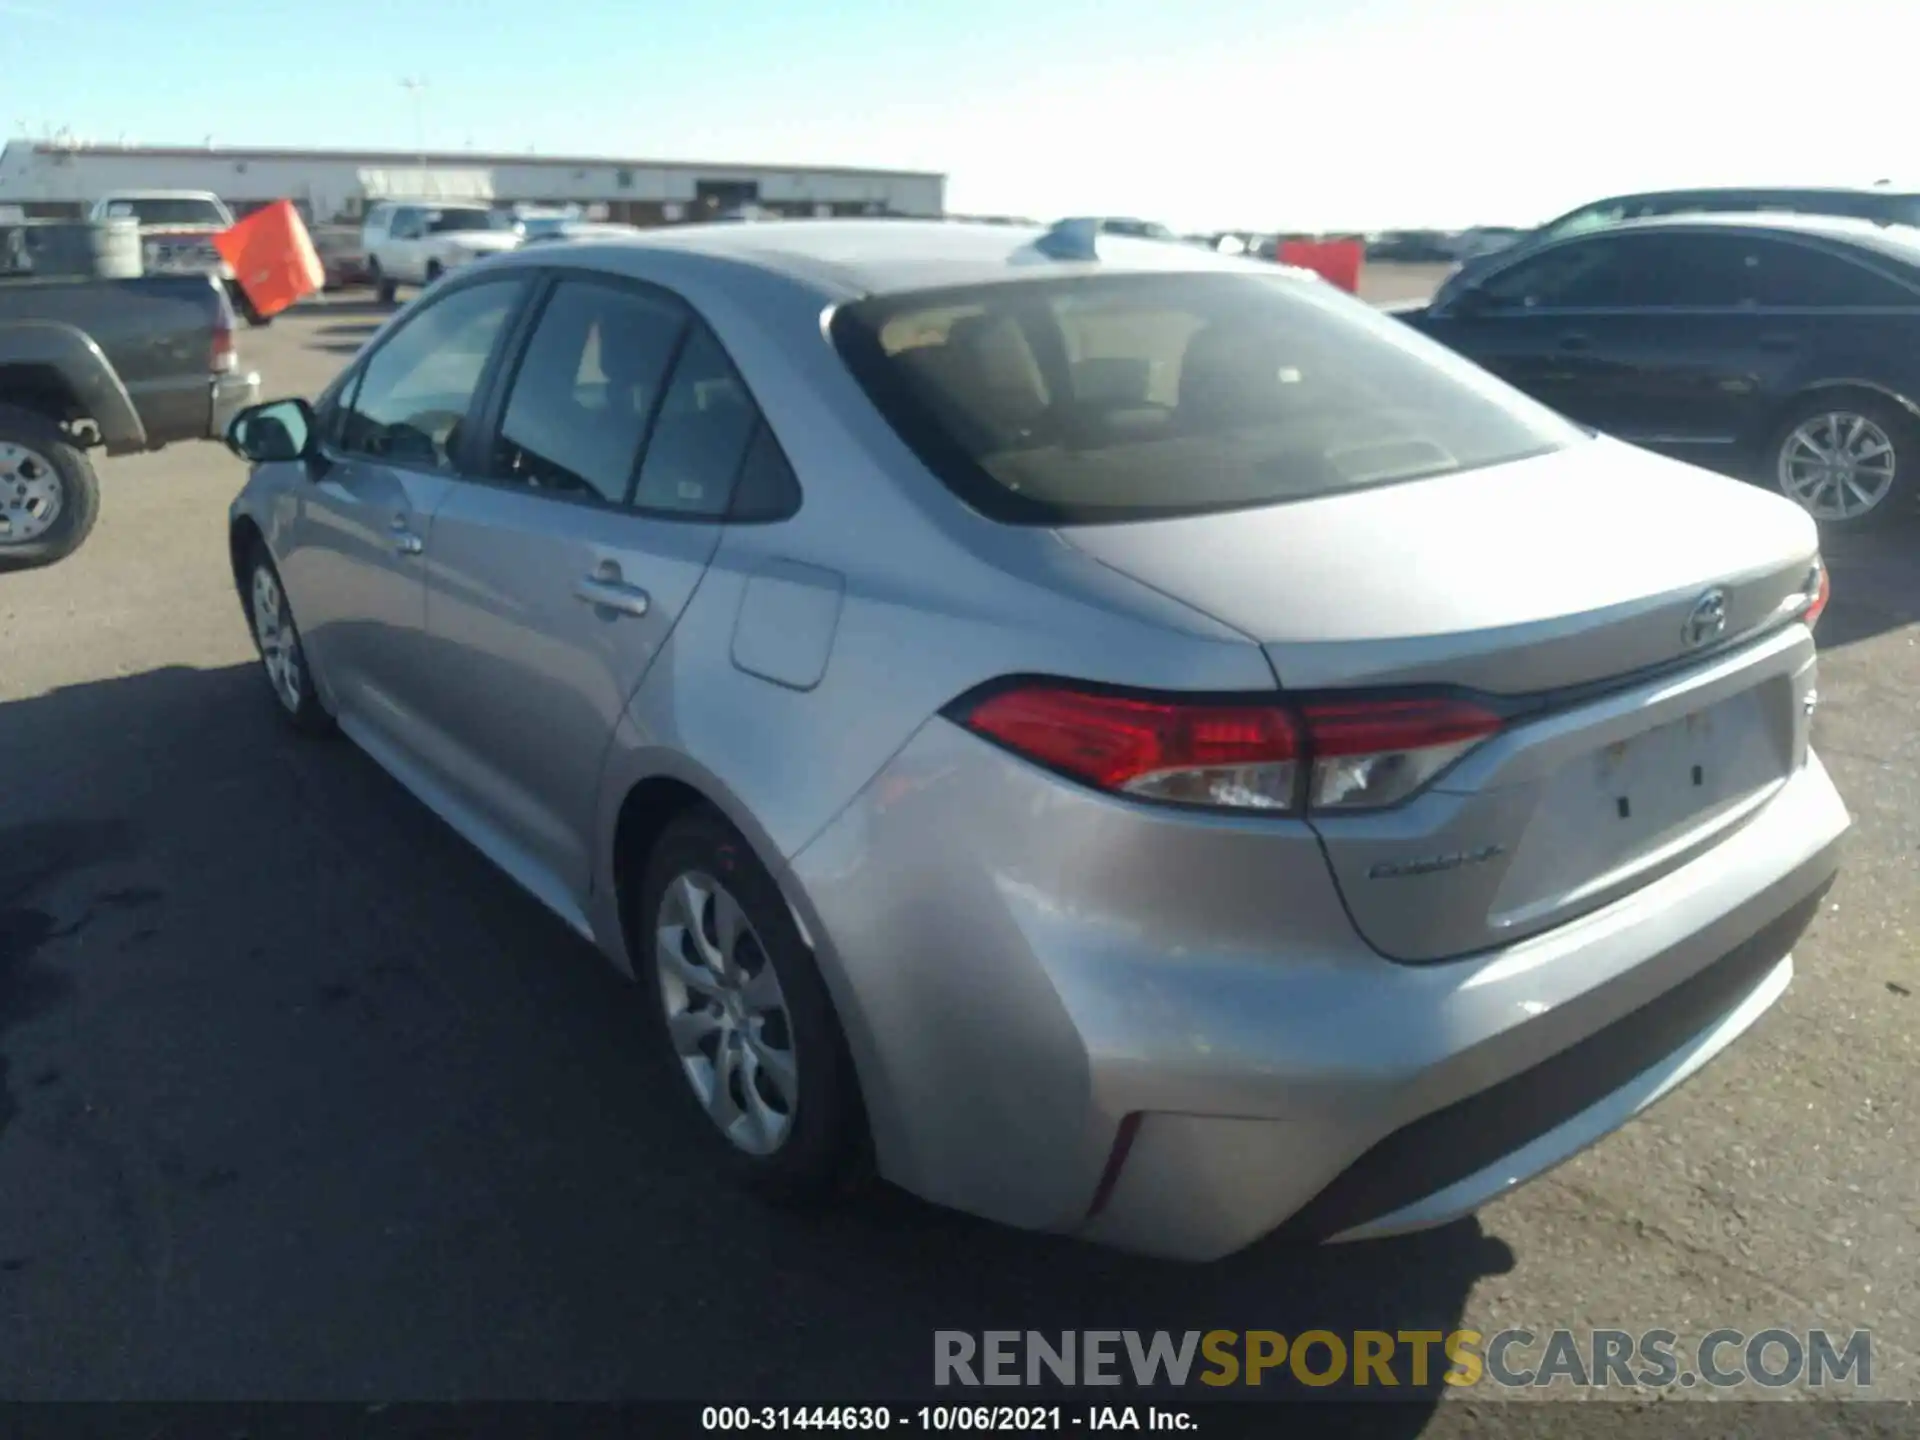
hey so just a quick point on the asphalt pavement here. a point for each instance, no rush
(299, 1098)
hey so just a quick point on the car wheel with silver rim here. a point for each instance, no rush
(49, 495)
(1846, 459)
(743, 1015)
(283, 659)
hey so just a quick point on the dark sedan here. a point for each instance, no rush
(1882, 206)
(1784, 348)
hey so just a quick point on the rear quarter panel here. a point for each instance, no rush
(1877, 351)
(933, 600)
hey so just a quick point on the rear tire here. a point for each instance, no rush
(434, 272)
(49, 495)
(383, 288)
(762, 1060)
(1849, 458)
(283, 658)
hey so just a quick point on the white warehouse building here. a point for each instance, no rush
(60, 178)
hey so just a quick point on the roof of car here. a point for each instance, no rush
(851, 258)
(1899, 242)
(1713, 192)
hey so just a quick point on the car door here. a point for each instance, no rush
(1690, 354)
(1529, 320)
(390, 446)
(406, 242)
(558, 577)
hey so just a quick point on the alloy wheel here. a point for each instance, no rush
(31, 494)
(726, 1014)
(1839, 466)
(279, 642)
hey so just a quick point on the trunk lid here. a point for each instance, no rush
(1579, 589)
(1547, 573)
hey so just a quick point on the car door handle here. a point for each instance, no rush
(611, 593)
(1574, 341)
(404, 540)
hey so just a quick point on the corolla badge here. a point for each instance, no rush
(1707, 621)
(1434, 864)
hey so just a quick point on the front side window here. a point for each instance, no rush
(1110, 398)
(1582, 222)
(584, 391)
(1588, 274)
(414, 392)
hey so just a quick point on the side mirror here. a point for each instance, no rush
(277, 430)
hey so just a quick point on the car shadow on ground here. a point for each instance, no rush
(291, 1061)
(358, 331)
(1876, 583)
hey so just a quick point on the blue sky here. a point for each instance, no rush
(1285, 114)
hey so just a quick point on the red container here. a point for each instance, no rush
(1336, 261)
(273, 258)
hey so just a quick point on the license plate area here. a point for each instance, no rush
(1646, 802)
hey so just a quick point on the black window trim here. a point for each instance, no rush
(1813, 244)
(348, 391)
(484, 424)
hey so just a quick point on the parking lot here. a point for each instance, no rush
(300, 1098)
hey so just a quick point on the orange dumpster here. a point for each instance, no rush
(1336, 261)
(273, 258)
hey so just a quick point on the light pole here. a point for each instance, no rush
(416, 87)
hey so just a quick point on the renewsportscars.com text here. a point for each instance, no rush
(1379, 1359)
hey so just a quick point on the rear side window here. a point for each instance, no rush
(1125, 397)
(1799, 275)
(700, 436)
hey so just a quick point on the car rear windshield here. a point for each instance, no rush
(1130, 397)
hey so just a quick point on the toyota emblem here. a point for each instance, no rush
(1707, 621)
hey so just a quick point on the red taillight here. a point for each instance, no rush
(1161, 749)
(1821, 589)
(1336, 755)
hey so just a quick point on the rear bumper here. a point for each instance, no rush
(1021, 966)
(231, 394)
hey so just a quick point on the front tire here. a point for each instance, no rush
(49, 495)
(434, 272)
(283, 659)
(742, 1018)
(1848, 459)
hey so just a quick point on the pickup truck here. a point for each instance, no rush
(177, 228)
(121, 366)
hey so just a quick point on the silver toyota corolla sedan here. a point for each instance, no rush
(1119, 739)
